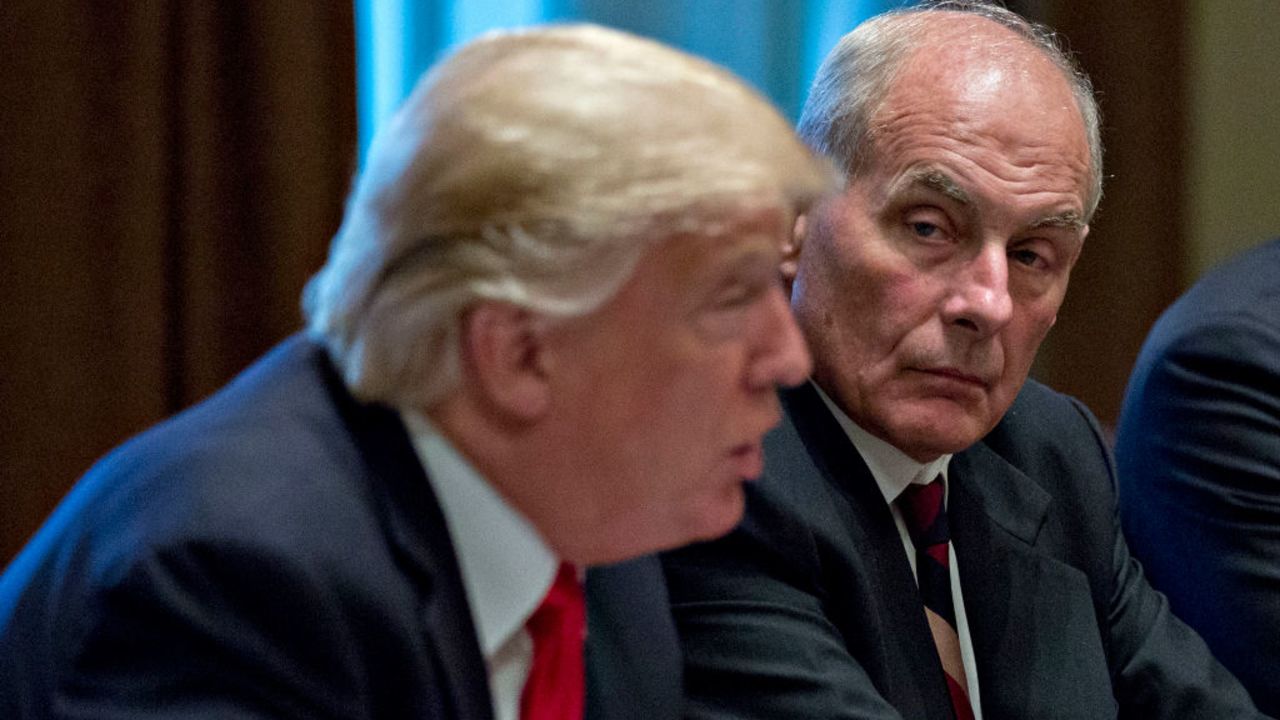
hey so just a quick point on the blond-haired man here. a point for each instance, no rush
(546, 340)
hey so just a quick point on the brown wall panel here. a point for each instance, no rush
(1132, 262)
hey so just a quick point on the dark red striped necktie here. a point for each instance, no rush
(926, 520)
(556, 687)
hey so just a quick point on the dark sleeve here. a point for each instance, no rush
(1160, 667)
(756, 636)
(209, 631)
(1199, 455)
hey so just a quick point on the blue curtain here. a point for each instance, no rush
(775, 44)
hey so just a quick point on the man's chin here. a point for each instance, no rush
(702, 519)
(720, 515)
(939, 435)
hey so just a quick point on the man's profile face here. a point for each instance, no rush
(672, 385)
(925, 289)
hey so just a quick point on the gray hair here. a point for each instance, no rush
(858, 73)
(535, 167)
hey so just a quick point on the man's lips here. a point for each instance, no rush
(949, 373)
(748, 460)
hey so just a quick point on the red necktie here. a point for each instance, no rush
(926, 521)
(556, 688)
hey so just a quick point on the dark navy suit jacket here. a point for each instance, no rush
(810, 609)
(276, 552)
(1198, 448)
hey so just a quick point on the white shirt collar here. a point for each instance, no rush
(506, 567)
(893, 469)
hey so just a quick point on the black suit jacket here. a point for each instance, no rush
(809, 609)
(1198, 447)
(276, 552)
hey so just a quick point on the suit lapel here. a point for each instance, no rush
(1030, 614)
(417, 531)
(902, 657)
(632, 655)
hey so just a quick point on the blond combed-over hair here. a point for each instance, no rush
(534, 167)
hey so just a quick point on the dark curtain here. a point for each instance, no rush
(170, 175)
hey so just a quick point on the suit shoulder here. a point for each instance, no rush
(1050, 435)
(265, 465)
(1039, 409)
(1239, 296)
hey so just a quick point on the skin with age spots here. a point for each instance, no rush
(925, 289)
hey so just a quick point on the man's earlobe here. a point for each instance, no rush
(503, 355)
(791, 253)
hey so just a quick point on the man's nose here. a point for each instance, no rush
(783, 357)
(979, 299)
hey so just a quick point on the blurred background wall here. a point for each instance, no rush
(171, 173)
(1232, 186)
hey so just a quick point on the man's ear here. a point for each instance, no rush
(791, 253)
(504, 355)
(1084, 233)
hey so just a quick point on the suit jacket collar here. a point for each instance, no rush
(996, 515)
(912, 681)
(892, 469)
(1024, 604)
(416, 529)
(992, 486)
(632, 654)
(1001, 492)
(506, 566)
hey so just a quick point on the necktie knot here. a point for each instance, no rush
(561, 607)
(924, 514)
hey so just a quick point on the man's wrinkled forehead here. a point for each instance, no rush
(1012, 94)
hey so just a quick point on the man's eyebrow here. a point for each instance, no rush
(1069, 219)
(938, 181)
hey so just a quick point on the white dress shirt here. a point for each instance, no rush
(506, 567)
(894, 470)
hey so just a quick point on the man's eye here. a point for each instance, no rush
(1030, 258)
(735, 296)
(924, 229)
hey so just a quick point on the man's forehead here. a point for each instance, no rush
(954, 35)
(940, 129)
(965, 57)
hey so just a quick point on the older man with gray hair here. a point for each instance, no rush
(935, 535)
(547, 339)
